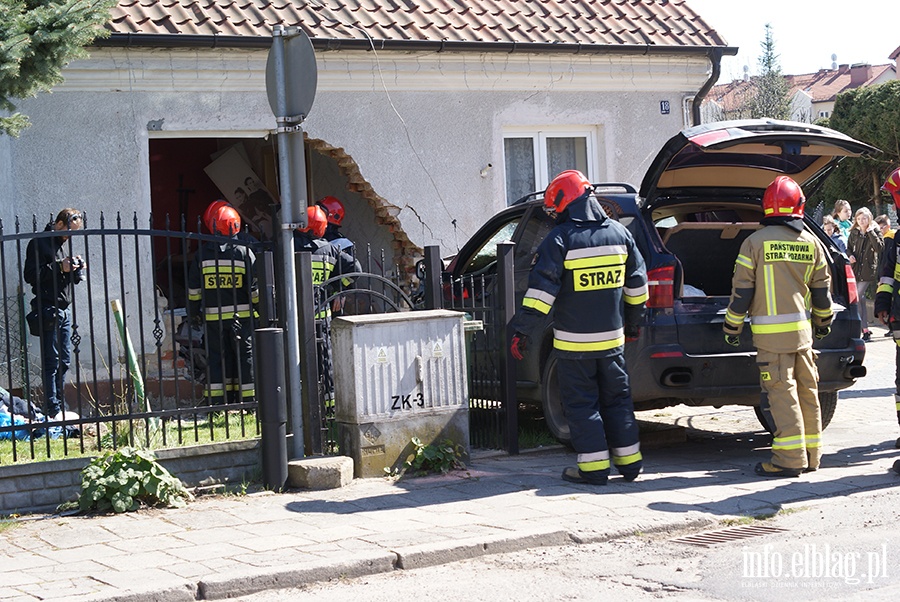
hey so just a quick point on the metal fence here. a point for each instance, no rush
(137, 374)
(488, 300)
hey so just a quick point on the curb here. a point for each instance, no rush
(253, 581)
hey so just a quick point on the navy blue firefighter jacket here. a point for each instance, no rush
(590, 270)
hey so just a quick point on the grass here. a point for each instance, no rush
(215, 427)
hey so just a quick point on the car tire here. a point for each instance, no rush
(827, 402)
(554, 415)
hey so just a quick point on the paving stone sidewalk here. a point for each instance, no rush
(234, 545)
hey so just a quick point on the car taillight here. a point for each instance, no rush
(852, 295)
(661, 286)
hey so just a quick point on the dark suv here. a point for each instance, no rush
(700, 199)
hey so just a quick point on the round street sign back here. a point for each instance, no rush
(300, 75)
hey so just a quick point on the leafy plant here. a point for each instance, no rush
(442, 457)
(125, 479)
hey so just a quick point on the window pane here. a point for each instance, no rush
(566, 153)
(519, 154)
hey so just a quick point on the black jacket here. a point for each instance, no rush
(222, 281)
(591, 273)
(43, 271)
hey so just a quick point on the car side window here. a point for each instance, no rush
(534, 231)
(487, 254)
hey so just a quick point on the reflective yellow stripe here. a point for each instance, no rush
(636, 299)
(769, 278)
(626, 460)
(795, 442)
(595, 261)
(733, 318)
(195, 297)
(227, 315)
(537, 304)
(744, 261)
(225, 269)
(812, 441)
(885, 288)
(777, 328)
(589, 346)
(594, 466)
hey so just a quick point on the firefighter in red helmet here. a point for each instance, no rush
(590, 272)
(887, 296)
(222, 293)
(334, 215)
(781, 280)
(329, 265)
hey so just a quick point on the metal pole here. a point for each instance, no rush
(266, 278)
(272, 406)
(309, 365)
(506, 310)
(290, 216)
(433, 269)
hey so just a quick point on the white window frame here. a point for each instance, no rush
(540, 135)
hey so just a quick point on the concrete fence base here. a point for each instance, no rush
(39, 487)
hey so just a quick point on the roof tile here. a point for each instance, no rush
(602, 22)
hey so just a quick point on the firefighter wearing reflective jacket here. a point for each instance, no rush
(589, 270)
(328, 261)
(222, 292)
(887, 296)
(781, 279)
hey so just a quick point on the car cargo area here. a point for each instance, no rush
(707, 251)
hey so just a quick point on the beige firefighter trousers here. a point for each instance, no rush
(791, 382)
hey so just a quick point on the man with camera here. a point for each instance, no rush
(52, 271)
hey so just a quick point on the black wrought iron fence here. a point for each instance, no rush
(373, 286)
(136, 371)
(488, 301)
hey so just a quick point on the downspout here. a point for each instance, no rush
(715, 57)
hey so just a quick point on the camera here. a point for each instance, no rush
(76, 262)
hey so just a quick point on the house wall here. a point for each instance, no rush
(421, 127)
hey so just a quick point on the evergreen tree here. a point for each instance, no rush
(771, 98)
(872, 115)
(37, 39)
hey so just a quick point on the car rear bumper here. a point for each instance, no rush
(666, 371)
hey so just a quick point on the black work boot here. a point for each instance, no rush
(767, 469)
(573, 474)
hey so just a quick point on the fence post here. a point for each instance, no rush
(272, 391)
(266, 285)
(433, 270)
(309, 415)
(506, 298)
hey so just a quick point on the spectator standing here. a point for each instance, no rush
(864, 248)
(589, 271)
(831, 229)
(884, 224)
(52, 271)
(842, 215)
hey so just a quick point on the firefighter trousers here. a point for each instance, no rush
(230, 361)
(897, 370)
(791, 382)
(600, 412)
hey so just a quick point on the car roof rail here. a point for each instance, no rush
(602, 186)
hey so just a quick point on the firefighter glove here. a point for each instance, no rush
(822, 331)
(518, 346)
(733, 340)
(632, 333)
